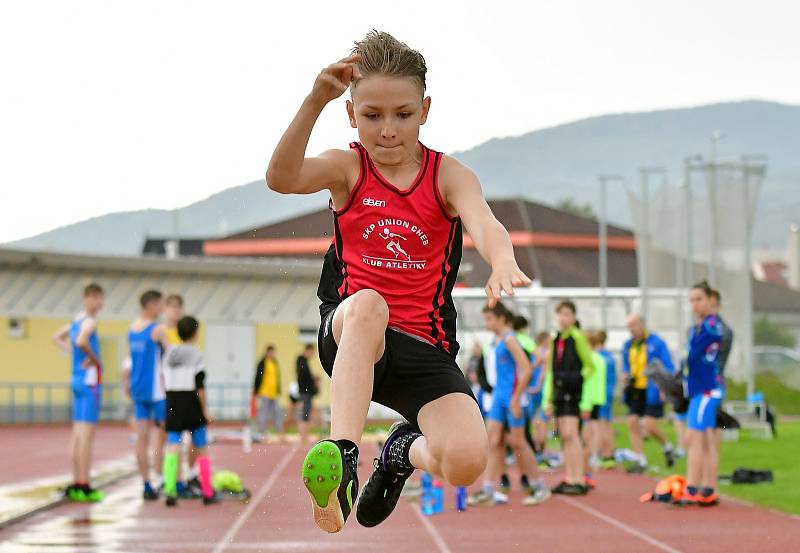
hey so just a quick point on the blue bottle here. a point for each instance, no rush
(461, 499)
(438, 496)
(427, 500)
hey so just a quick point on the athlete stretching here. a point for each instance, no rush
(388, 327)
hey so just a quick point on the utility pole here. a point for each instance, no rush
(715, 137)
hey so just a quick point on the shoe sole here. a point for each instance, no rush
(322, 475)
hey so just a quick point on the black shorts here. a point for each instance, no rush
(595, 413)
(636, 400)
(566, 408)
(410, 374)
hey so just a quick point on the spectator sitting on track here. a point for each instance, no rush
(267, 389)
(644, 400)
(184, 381)
(570, 362)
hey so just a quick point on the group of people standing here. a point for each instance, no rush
(267, 392)
(165, 380)
(570, 378)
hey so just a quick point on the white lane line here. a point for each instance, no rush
(431, 529)
(255, 501)
(621, 525)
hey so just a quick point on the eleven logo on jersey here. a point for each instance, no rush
(395, 235)
(369, 202)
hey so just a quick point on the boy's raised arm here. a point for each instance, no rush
(462, 191)
(289, 171)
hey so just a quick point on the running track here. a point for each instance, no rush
(278, 519)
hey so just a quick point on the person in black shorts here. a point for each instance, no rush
(570, 362)
(388, 329)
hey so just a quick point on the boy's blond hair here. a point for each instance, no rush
(382, 54)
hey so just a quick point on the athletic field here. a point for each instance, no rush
(278, 516)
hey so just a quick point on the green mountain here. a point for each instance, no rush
(548, 165)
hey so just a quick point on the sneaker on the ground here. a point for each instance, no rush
(331, 483)
(194, 487)
(93, 495)
(537, 496)
(575, 489)
(589, 482)
(149, 494)
(487, 499)
(171, 500)
(383, 489)
(559, 488)
(608, 463)
(505, 483)
(708, 500)
(680, 453)
(669, 458)
(636, 468)
(688, 499)
(212, 499)
(525, 484)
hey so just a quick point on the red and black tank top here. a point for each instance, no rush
(401, 243)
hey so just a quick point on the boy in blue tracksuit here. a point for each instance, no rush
(643, 397)
(705, 391)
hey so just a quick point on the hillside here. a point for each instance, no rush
(546, 165)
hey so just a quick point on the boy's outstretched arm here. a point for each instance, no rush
(289, 171)
(462, 191)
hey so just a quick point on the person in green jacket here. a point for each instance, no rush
(594, 390)
(570, 362)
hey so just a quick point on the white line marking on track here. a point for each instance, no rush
(431, 529)
(255, 501)
(621, 525)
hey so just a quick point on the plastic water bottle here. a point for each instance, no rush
(247, 439)
(461, 499)
(427, 501)
(438, 496)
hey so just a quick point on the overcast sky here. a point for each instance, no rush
(109, 106)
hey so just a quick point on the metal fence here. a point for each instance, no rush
(47, 403)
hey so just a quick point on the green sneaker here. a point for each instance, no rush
(329, 475)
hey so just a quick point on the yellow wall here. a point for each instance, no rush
(35, 359)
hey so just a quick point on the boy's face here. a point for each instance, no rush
(388, 111)
(565, 318)
(153, 309)
(491, 321)
(700, 302)
(93, 302)
(173, 312)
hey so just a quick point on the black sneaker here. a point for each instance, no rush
(149, 494)
(575, 489)
(194, 490)
(171, 501)
(505, 483)
(380, 494)
(332, 482)
(669, 457)
(559, 488)
(524, 483)
(212, 499)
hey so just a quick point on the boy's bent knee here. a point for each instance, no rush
(368, 306)
(463, 466)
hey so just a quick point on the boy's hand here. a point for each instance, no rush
(586, 415)
(548, 410)
(334, 80)
(505, 276)
(515, 408)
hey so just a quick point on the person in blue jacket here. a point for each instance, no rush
(642, 397)
(705, 390)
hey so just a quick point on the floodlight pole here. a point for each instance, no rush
(645, 247)
(602, 243)
(715, 137)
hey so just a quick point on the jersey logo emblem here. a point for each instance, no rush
(373, 203)
(393, 245)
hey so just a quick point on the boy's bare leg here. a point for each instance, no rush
(694, 461)
(454, 442)
(526, 462)
(573, 451)
(711, 458)
(142, 448)
(74, 453)
(635, 430)
(359, 328)
(652, 428)
(159, 441)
